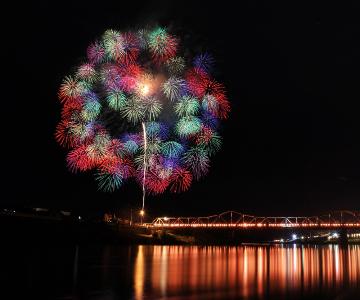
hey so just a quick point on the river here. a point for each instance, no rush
(184, 272)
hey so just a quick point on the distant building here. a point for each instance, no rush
(65, 213)
(40, 209)
(108, 218)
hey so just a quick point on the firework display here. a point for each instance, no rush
(137, 109)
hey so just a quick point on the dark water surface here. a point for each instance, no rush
(181, 272)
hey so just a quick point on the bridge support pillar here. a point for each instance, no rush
(343, 238)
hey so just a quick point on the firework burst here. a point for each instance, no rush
(137, 110)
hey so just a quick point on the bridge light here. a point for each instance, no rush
(166, 218)
(281, 240)
(335, 235)
(294, 236)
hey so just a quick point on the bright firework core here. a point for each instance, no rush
(145, 89)
(150, 85)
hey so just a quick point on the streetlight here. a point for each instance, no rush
(131, 221)
(141, 213)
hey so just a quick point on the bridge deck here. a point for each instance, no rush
(350, 225)
(232, 219)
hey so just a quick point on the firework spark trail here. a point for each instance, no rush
(138, 81)
(144, 166)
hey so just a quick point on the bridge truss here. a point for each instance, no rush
(336, 219)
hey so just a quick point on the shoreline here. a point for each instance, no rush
(51, 230)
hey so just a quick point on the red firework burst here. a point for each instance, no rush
(79, 159)
(180, 180)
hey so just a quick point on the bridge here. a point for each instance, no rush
(343, 219)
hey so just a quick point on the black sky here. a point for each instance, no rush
(291, 144)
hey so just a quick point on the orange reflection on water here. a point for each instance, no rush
(244, 271)
(139, 273)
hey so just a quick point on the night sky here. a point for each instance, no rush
(290, 146)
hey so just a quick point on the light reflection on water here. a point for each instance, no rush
(121, 272)
(245, 271)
